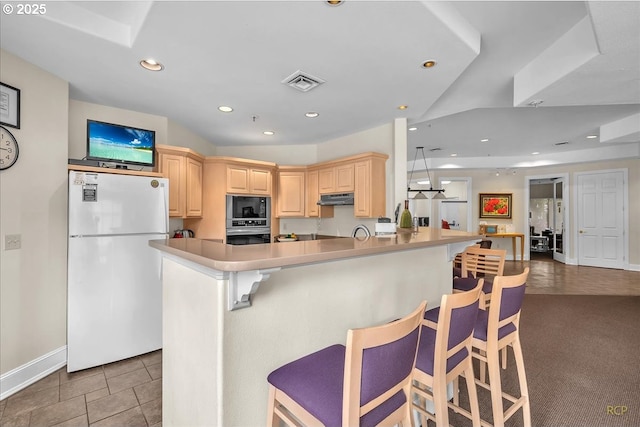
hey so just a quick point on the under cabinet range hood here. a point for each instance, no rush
(336, 199)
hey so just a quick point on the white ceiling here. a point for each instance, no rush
(581, 59)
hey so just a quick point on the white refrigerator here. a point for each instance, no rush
(114, 288)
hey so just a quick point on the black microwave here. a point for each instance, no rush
(248, 211)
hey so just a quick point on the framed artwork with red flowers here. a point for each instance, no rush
(495, 205)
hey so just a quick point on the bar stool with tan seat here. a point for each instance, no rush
(497, 329)
(366, 383)
(444, 354)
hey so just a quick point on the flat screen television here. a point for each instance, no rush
(126, 145)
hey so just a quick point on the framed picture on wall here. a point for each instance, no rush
(9, 106)
(495, 205)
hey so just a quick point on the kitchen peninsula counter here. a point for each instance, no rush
(232, 314)
(282, 254)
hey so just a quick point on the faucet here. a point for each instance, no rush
(362, 227)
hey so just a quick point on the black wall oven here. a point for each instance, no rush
(248, 236)
(248, 211)
(248, 220)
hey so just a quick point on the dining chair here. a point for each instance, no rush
(365, 383)
(444, 354)
(497, 329)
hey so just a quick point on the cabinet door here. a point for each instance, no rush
(291, 187)
(260, 181)
(237, 179)
(327, 180)
(362, 196)
(344, 178)
(194, 188)
(172, 168)
(369, 195)
(313, 195)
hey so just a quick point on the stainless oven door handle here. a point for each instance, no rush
(247, 231)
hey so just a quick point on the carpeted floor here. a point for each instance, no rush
(582, 358)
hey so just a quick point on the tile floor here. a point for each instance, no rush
(129, 392)
(125, 393)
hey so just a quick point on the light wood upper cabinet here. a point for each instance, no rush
(248, 180)
(312, 194)
(183, 168)
(291, 193)
(336, 179)
(193, 204)
(370, 188)
(345, 178)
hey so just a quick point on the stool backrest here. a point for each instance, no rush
(378, 365)
(456, 320)
(506, 303)
(478, 261)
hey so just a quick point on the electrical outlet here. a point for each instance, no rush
(12, 241)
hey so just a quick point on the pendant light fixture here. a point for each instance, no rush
(439, 193)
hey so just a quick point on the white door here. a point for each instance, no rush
(601, 219)
(559, 214)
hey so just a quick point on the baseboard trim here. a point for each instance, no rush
(634, 267)
(27, 374)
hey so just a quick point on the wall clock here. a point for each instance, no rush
(8, 148)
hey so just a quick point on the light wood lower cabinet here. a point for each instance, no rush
(183, 168)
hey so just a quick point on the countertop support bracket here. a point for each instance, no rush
(243, 284)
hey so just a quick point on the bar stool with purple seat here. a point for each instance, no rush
(479, 262)
(444, 354)
(365, 383)
(496, 329)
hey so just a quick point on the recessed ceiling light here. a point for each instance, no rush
(592, 136)
(454, 155)
(413, 128)
(535, 152)
(429, 64)
(424, 182)
(312, 114)
(484, 140)
(403, 107)
(445, 182)
(151, 65)
(268, 132)
(334, 2)
(225, 109)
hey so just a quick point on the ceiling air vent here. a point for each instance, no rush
(302, 81)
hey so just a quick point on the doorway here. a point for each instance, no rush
(546, 201)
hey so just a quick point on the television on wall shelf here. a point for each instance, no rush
(119, 144)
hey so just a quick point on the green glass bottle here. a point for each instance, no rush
(405, 218)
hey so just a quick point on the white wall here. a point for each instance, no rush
(485, 181)
(182, 137)
(290, 155)
(33, 203)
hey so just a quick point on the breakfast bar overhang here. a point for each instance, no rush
(232, 314)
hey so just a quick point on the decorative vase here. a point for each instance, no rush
(405, 218)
